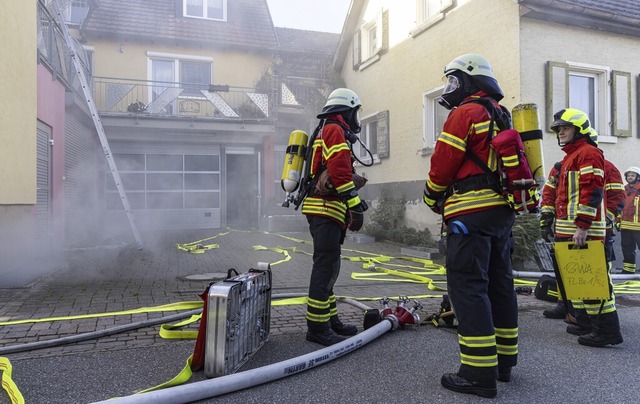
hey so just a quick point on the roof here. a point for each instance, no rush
(630, 8)
(248, 23)
(296, 40)
(617, 16)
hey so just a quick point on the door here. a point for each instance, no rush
(242, 190)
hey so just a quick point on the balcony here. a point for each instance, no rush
(116, 96)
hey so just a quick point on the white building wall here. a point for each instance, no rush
(542, 42)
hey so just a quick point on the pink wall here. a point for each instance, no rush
(51, 111)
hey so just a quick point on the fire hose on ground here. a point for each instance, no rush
(389, 319)
(392, 318)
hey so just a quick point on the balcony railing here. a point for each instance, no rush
(160, 98)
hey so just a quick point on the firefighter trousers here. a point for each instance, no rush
(480, 286)
(328, 236)
(630, 240)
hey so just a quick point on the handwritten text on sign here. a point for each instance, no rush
(583, 270)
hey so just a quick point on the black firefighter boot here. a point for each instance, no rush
(606, 331)
(558, 311)
(343, 329)
(323, 334)
(455, 382)
(583, 323)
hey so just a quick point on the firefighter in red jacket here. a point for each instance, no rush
(479, 222)
(330, 214)
(579, 194)
(614, 197)
(630, 220)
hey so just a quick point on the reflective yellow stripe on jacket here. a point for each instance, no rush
(314, 205)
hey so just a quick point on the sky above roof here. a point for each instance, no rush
(312, 15)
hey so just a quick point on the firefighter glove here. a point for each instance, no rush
(618, 222)
(546, 227)
(434, 200)
(355, 216)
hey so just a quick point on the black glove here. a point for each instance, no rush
(546, 227)
(547, 233)
(435, 201)
(355, 216)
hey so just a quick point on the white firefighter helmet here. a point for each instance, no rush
(472, 64)
(632, 169)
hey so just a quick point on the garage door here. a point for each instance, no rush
(167, 190)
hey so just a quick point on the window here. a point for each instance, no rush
(428, 12)
(76, 11)
(207, 9)
(191, 74)
(370, 40)
(434, 116)
(375, 135)
(597, 90)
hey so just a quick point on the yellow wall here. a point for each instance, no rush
(18, 102)
(127, 60)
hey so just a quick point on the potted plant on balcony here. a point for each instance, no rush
(137, 107)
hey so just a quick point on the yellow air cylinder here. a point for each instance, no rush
(294, 161)
(525, 121)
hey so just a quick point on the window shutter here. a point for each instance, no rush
(385, 30)
(621, 103)
(383, 134)
(179, 7)
(356, 50)
(557, 89)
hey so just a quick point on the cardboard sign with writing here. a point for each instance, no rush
(583, 270)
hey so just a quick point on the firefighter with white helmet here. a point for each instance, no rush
(576, 207)
(331, 210)
(630, 220)
(479, 223)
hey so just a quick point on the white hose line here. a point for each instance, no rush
(525, 274)
(226, 384)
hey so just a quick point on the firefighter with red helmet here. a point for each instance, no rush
(579, 217)
(330, 213)
(630, 220)
(479, 223)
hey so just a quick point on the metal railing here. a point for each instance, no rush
(116, 96)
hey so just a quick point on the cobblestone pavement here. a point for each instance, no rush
(100, 280)
(116, 278)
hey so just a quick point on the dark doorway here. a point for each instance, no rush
(242, 191)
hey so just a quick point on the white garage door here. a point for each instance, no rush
(168, 190)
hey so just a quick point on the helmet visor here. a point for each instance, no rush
(451, 85)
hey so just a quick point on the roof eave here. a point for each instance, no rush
(564, 13)
(350, 25)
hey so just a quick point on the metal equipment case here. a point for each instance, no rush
(238, 321)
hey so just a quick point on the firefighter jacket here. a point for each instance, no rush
(330, 152)
(577, 195)
(613, 193)
(631, 212)
(466, 129)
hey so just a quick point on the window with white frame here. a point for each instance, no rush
(192, 74)
(603, 93)
(434, 116)
(374, 134)
(207, 9)
(370, 40)
(76, 11)
(428, 12)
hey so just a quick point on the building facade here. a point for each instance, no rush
(555, 54)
